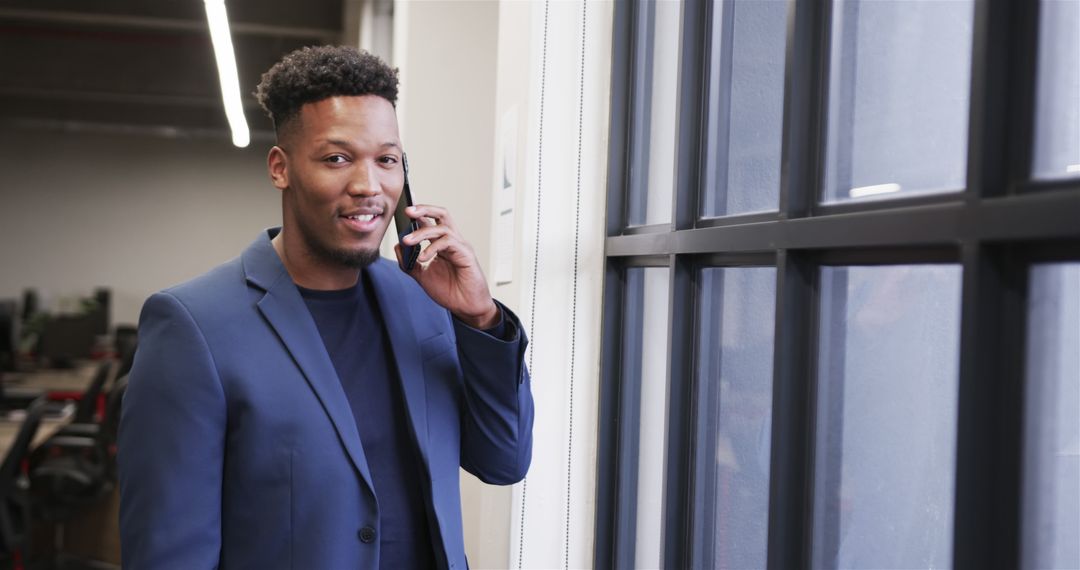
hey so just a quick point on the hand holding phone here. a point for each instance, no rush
(405, 224)
(450, 273)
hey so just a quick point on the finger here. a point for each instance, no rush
(448, 248)
(432, 251)
(429, 233)
(439, 214)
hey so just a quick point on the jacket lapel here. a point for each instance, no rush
(286, 312)
(396, 310)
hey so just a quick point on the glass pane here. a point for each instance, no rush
(898, 103)
(647, 333)
(1057, 109)
(746, 80)
(737, 316)
(662, 69)
(1052, 462)
(886, 417)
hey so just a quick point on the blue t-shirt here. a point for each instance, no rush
(352, 330)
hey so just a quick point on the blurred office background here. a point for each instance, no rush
(802, 279)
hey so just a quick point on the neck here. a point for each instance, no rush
(307, 270)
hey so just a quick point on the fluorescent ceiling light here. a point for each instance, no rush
(876, 189)
(226, 65)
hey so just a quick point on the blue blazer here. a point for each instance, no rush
(238, 448)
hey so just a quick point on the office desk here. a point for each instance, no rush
(54, 384)
(10, 428)
(73, 380)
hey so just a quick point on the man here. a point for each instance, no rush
(308, 404)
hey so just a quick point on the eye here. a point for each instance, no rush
(388, 159)
(336, 159)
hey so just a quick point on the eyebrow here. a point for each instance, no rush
(347, 144)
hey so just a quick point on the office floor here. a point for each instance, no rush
(91, 539)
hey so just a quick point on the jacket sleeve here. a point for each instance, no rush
(171, 445)
(496, 439)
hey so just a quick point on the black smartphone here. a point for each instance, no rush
(405, 224)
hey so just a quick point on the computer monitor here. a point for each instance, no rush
(102, 306)
(8, 334)
(29, 304)
(65, 339)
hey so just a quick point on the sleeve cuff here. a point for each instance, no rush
(504, 330)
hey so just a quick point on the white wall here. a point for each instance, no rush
(445, 107)
(471, 92)
(562, 213)
(129, 212)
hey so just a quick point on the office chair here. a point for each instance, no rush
(110, 425)
(126, 340)
(84, 410)
(74, 470)
(83, 424)
(76, 465)
(14, 501)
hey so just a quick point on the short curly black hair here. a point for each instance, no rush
(311, 74)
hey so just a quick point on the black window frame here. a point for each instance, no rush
(1000, 224)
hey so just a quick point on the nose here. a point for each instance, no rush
(365, 181)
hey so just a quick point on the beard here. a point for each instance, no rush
(352, 259)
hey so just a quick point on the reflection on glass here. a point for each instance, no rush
(737, 315)
(1051, 537)
(746, 86)
(886, 417)
(1057, 109)
(663, 84)
(898, 97)
(646, 365)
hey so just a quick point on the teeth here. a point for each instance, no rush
(363, 217)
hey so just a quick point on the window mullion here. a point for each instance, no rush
(792, 416)
(990, 400)
(1001, 131)
(680, 436)
(805, 100)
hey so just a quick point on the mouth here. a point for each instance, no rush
(362, 222)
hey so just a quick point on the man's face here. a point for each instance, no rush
(341, 177)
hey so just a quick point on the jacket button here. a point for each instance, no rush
(367, 534)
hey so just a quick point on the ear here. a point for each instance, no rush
(277, 164)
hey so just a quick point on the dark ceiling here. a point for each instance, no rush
(144, 64)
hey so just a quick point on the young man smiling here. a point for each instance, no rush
(308, 405)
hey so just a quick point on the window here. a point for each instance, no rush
(660, 79)
(869, 261)
(886, 409)
(1052, 490)
(735, 351)
(746, 79)
(1057, 120)
(898, 97)
(646, 349)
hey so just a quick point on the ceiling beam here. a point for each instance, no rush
(115, 97)
(163, 131)
(114, 21)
